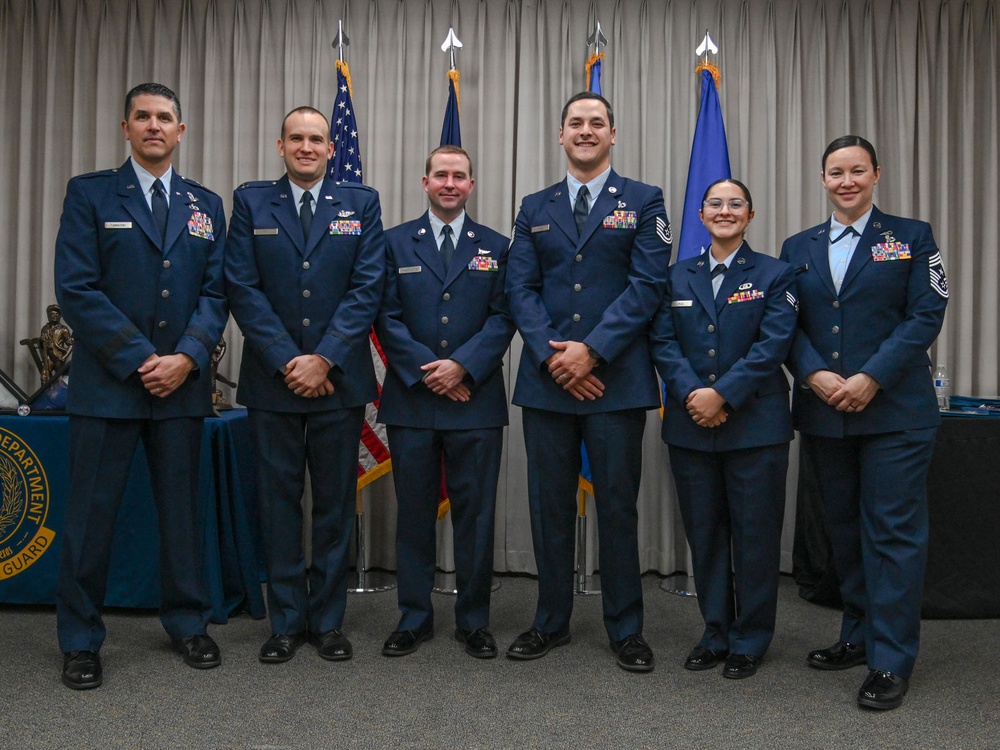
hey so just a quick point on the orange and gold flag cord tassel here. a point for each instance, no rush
(454, 76)
(591, 61)
(342, 68)
(716, 73)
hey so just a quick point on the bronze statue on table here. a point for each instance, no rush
(52, 348)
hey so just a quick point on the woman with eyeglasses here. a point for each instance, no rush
(718, 341)
(873, 292)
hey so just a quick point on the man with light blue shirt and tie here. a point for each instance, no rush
(445, 328)
(138, 276)
(304, 268)
(586, 272)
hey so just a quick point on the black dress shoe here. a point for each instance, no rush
(740, 666)
(403, 642)
(703, 658)
(199, 651)
(882, 690)
(634, 654)
(334, 646)
(479, 643)
(82, 670)
(534, 644)
(280, 648)
(840, 655)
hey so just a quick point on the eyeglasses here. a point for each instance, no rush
(736, 205)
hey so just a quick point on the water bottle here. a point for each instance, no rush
(942, 387)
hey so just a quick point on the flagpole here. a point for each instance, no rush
(709, 162)
(593, 65)
(344, 134)
(587, 584)
(451, 131)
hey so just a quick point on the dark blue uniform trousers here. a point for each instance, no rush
(284, 444)
(874, 490)
(472, 467)
(733, 503)
(100, 455)
(614, 446)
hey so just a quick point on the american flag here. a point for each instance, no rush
(345, 166)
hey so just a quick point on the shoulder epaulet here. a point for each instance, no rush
(195, 183)
(354, 186)
(258, 184)
(99, 173)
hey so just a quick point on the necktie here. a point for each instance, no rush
(306, 214)
(582, 209)
(847, 232)
(160, 208)
(717, 273)
(447, 245)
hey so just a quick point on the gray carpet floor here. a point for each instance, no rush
(440, 698)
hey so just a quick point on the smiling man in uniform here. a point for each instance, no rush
(586, 272)
(304, 277)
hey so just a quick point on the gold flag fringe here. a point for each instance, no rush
(342, 68)
(454, 76)
(716, 73)
(591, 61)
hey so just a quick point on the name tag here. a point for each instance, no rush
(540, 228)
(264, 232)
(681, 303)
(118, 225)
(410, 269)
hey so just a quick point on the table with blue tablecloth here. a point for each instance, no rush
(34, 474)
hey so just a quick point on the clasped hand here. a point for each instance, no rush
(705, 407)
(161, 376)
(308, 376)
(570, 366)
(444, 377)
(851, 395)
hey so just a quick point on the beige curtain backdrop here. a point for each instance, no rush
(917, 77)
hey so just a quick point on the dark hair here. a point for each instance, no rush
(588, 95)
(737, 183)
(447, 149)
(153, 89)
(847, 141)
(305, 109)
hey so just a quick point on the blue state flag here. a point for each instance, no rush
(451, 130)
(345, 166)
(709, 162)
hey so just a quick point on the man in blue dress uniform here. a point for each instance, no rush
(138, 275)
(585, 274)
(445, 328)
(304, 276)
